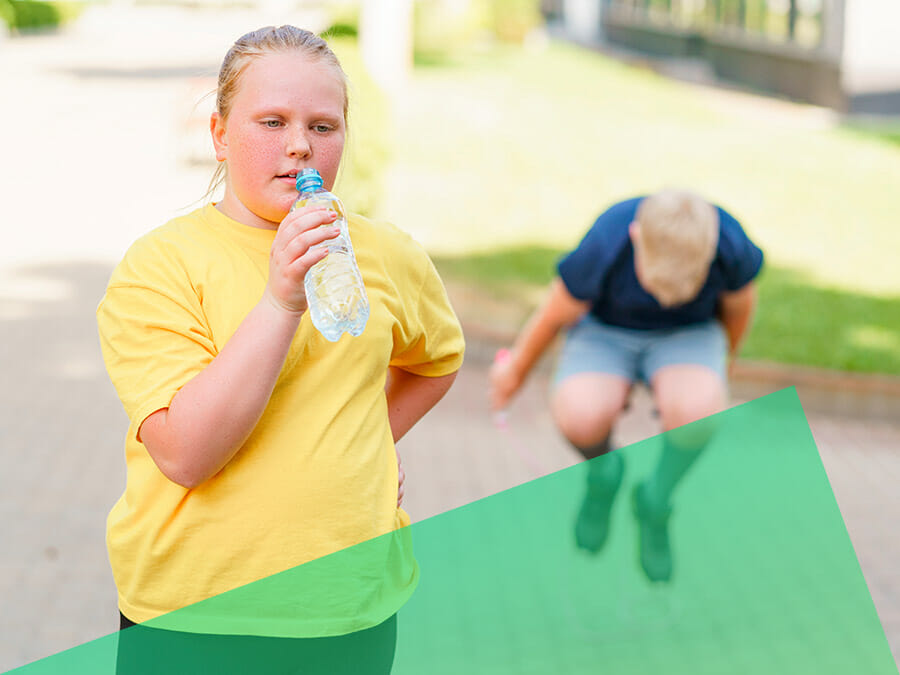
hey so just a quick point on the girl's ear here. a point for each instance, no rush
(217, 131)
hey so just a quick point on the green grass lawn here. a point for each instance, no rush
(501, 163)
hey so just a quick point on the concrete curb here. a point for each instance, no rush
(831, 380)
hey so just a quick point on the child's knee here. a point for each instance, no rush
(691, 408)
(680, 411)
(685, 395)
(585, 415)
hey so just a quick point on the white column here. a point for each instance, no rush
(385, 35)
(833, 29)
(582, 19)
(871, 55)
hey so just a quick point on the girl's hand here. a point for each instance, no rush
(292, 255)
(505, 380)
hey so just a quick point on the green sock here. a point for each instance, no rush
(604, 465)
(673, 464)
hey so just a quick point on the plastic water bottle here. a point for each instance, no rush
(334, 287)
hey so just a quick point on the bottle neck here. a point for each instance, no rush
(309, 181)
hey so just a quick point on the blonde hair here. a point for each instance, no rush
(678, 233)
(267, 40)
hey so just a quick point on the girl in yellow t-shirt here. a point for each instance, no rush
(255, 445)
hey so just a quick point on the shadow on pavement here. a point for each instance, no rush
(61, 463)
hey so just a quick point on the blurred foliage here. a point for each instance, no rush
(367, 150)
(341, 30)
(513, 20)
(444, 30)
(7, 13)
(344, 22)
(503, 270)
(31, 15)
(886, 131)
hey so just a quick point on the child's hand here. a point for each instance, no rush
(292, 255)
(504, 379)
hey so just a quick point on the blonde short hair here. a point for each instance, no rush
(677, 237)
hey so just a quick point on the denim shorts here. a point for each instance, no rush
(595, 347)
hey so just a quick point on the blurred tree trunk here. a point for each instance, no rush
(792, 19)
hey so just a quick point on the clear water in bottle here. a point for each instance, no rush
(334, 287)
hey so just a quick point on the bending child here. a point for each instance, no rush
(255, 444)
(659, 291)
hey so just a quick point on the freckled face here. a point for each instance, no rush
(287, 114)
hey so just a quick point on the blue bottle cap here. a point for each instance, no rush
(308, 180)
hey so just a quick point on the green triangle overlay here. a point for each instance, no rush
(765, 577)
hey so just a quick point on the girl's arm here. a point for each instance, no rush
(410, 396)
(559, 309)
(212, 415)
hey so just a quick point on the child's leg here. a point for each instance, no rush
(593, 380)
(688, 382)
(593, 377)
(585, 406)
(685, 395)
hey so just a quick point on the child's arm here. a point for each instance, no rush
(410, 396)
(559, 309)
(212, 415)
(736, 313)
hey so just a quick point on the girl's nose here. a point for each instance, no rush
(298, 144)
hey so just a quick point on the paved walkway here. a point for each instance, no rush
(93, 122)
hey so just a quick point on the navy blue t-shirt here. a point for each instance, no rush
(601, 270)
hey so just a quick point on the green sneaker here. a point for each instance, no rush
(655, 551)
(604, 478)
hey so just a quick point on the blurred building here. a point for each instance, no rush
(840, 53)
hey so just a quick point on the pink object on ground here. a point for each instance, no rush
(501, 421)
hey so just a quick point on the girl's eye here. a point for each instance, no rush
(272, 124)
(322, 128)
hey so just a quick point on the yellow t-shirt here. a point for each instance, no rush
(319, 471)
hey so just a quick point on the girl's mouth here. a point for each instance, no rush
(290, 178)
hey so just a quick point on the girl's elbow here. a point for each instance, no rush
(187, 479)
(173, 458)
(179, 473)
(177, 467)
